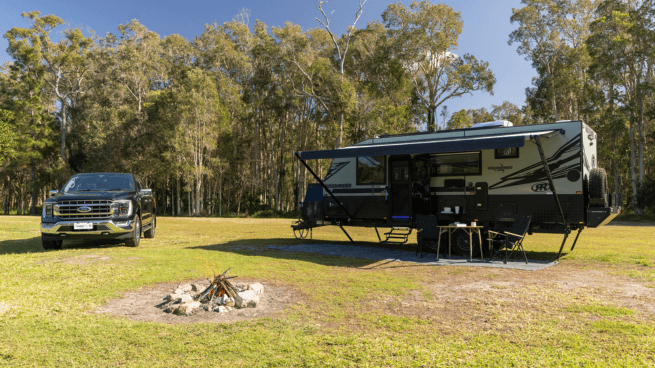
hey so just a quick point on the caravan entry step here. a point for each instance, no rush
(398, 235)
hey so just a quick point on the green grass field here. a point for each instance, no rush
(595, 308)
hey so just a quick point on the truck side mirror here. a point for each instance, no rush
(52, 194)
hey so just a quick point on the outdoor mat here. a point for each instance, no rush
(382, 254)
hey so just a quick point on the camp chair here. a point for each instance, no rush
(511, 239)
(428, 234)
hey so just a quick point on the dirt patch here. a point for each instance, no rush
(503, 300)
(141, 305)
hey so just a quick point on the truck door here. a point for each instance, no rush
(400, 190)
(421, 185)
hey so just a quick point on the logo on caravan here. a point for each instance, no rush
(335, 168)
(540, 187)
(500, 168)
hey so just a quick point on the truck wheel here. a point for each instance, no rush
(598, 188)
(51, 244)
(150, 233)
(136, 233)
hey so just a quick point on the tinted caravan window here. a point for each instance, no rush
(507, 152)
(370, 170)
(456, 164)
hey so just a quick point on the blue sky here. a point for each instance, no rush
(485, 32)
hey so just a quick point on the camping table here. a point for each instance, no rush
(469, 230)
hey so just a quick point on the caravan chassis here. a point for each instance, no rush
(594, 216)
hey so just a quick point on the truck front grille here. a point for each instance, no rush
(71, 209)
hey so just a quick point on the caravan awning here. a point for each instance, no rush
(458, 144)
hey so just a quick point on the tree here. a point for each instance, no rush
(340, 54)
(7, 137)
(66, 64)
(425, 36)
(621, 48)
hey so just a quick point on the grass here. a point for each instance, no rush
(350, 312)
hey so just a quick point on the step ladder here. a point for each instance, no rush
(399, 235)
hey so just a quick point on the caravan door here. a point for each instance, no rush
(421, 185)
(400, 190)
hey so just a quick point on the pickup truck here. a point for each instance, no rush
(99, 206)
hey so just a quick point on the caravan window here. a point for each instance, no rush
(370, 170)
(506, 152)
(457, 164)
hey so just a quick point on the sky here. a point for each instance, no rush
(485, 32)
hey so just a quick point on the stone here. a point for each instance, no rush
(184, 287)
(197, 288)
(170, 308)
(229, 302)
(174, 297)
(257, 287)
(246, 299)
(187, 309)
(220, 309)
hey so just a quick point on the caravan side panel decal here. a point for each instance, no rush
(566, 158)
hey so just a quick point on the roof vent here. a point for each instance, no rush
(497, 124)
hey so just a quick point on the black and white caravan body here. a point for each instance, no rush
(487, 174)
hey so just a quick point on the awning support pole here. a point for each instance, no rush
(326, 188)
(376, 231)
(345, 232)
(552, 188)
(576, 238)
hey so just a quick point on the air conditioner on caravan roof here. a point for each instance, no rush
(499, 124)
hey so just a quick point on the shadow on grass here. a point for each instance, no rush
(261, 248)
(33, 245)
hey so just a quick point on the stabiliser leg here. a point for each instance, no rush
(566, 235)
(576, 239)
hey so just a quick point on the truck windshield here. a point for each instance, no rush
(99, 182)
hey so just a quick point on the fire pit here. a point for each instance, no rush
(220, 296)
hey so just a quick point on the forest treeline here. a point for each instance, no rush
(211, 124)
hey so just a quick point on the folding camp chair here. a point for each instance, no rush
(511, 239)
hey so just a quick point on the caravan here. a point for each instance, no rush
(489, 174)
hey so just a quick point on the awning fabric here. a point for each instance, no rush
(458, 144)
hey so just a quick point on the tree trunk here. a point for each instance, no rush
(64, 118)
(432, 121)
(340, 133)
(633, 166)
(642, 139)
(179, 198)
(33, 184)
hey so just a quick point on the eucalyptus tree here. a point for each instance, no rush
(202, 118)
(341, 52)
(66, 63)
(136, 61)
(7, 137)
(425, 36)
(383, 87)
(621, 48)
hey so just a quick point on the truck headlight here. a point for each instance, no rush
(47, 210)
(122, 207)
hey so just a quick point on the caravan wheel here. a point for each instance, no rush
(461, 244)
